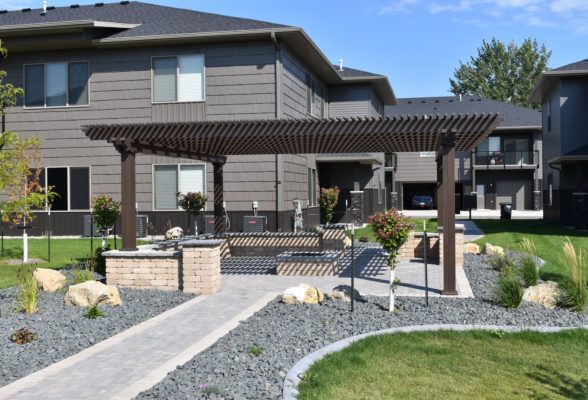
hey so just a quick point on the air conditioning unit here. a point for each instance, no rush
(253, 223)
(209, 224)
(87, 229)
(141, 222)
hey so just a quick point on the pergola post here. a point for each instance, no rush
(128, 192)
(218, 197)
(447, 212)
(440, 187)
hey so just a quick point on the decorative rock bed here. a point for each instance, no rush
(286, 333)
(64, 330)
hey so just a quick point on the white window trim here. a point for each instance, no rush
(178, 81)
(178, 166)
(45, 107)
(68, 188)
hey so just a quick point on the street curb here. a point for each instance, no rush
(292, 380)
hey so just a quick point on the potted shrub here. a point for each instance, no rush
(193, 203)
(392, 230)
(105, 213)
(328, 200)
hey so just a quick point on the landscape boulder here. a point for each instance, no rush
(343, 293)
(471, 248)
(49, 279)
(303, 294)
(174, 233)
(545, 294)
(493, 250)
(92, 292)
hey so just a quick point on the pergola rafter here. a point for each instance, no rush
(213, 141)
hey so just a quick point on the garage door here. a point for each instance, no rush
(517, 192)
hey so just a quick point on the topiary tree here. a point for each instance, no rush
(328, 200)
(392, 230)
(106, 212)
(192, 203)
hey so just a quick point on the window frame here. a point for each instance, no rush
(178, 169)
(68, 167)
(67, 105)
(177, 56)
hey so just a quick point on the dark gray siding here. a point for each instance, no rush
(350, 101)
(574, 114)
(376, 105)
(240, 84)
(412, 167)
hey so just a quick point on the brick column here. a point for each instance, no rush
(201, 266)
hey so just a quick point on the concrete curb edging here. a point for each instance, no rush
(292, 380)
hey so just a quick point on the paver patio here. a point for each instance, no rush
(135, 360)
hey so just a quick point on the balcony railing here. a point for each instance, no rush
(506, 159)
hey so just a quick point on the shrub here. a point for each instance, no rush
(106, 211)
(99, 261)
(328, 199)
(83, 273)
(94, 312)
(574, 290)
(510, 289)
(501, 262)
(28, 291)
(192, 202)
(23, 336)
(208, 390)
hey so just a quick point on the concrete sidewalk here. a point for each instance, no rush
(476, 214)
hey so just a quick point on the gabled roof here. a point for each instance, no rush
(514, 117)
(127, 24)
(347, 72)
(549, 78)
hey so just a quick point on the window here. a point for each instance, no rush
(310, 95)
(312, 183)
(169, 180)
(489, 145)
(71, 185)
(549, 116)
(480, 191)
(56, 84)
(178, 79)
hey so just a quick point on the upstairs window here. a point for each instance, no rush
(178, 79)
(56, 84)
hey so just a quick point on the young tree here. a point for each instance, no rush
(328, 200)
(20, 189)
(502, 72)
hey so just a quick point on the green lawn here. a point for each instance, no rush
(546, 236)
(454, 365)
(417, 222)
(64, 252)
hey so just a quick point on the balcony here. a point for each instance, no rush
(505, 159)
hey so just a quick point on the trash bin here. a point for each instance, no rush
(505, 210)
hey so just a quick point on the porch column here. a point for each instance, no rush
(448, 212)
(218, 198)
(128, 191)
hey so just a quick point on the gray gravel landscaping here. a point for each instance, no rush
(252, 360)
(64, 330)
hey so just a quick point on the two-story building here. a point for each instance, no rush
(133, 62)
(563, 94)
(504, 168)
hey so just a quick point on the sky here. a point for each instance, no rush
(417, 44)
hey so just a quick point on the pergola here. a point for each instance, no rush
(213, 141)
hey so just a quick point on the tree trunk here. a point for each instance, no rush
(392, 295)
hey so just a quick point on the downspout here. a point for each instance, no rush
(278, 80)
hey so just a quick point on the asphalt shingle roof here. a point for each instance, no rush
(577, 66)
(514, 116)
(354, 73)
(154, 19)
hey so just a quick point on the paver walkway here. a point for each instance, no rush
(125, 365)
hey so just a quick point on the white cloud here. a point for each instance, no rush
(561, 6)
(14, 4)
(463, 5)
(540, 22)
(397, 7)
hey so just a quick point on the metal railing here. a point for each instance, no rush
(506, 159)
